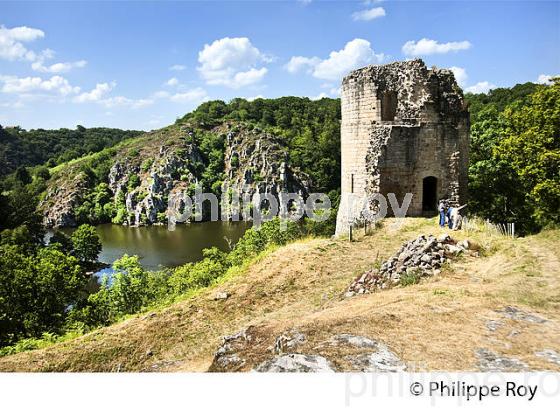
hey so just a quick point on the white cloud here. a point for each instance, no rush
(481, 87)
(460, 75)
(57, 67)
(426, 47)
(120, 101)
(545, 79)
(34, 85)
(335, 92)
(12, 39)
(318, 97)
(298, 63)
(177, 67)
(256, 97)
(97, 94)
(244, 78)
(172, 82)
(356, 53)
(368, 14)
(232, 62)
(100, 96)
(194, 95)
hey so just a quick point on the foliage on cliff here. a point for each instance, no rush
(311, 130)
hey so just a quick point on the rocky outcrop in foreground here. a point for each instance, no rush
(423, 256)
(293, 352)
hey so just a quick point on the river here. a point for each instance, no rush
(159, 247)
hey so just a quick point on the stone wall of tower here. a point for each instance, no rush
(401, 123)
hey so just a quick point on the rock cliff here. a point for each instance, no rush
(150, 176)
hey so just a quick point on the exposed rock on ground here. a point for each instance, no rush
(381, 360)
(493, 325)
(294, 351)
(288, 341)
(489, 361)
(514, 313)
(227, 357)
(417, 258)
(296, 363)
(550, 355)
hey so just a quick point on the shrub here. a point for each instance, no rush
(133, 182)
(146, 164)
(86, 243)
(410, 278)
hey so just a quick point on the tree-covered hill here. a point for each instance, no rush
(19, 147)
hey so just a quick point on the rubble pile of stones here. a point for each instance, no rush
(421, 257)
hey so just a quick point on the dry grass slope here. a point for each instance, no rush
(435, 325)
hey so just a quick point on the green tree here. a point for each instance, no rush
(23, 176)
(36, 291)
(531, 147)
(86, 243)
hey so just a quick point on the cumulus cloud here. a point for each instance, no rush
(12, 48)
(12, 39)
(232, 62)
(318, 97)
(57, 67)
(480, 87)
(427, 47)
(197, 94)
(97, 94)
(299, 63)
(121, 101)
(460, 75)
(177, 67)
(255, 97)
(172, 82)
(194, 95)
(368, 14)
(36, 85)
(356, 53)
(545, 79)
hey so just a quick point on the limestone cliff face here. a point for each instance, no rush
(150, 177)
(256, 161)
(61, 200)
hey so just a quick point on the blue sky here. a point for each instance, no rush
(140, 65)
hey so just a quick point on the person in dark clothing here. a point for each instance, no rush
(442, 212)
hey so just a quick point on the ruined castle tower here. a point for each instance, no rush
(405, 129)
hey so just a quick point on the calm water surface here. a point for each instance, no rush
(158, 247)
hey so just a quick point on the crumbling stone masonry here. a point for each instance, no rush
(405, 129)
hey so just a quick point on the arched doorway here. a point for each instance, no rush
(429, 194)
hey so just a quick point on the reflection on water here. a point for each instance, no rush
(158, 247)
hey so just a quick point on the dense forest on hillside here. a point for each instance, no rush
(27, 148)
(513, 177)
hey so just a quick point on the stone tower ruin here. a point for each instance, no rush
(405, 129)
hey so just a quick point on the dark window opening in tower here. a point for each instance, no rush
(388, 106)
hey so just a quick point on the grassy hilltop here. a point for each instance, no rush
(442, 323)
